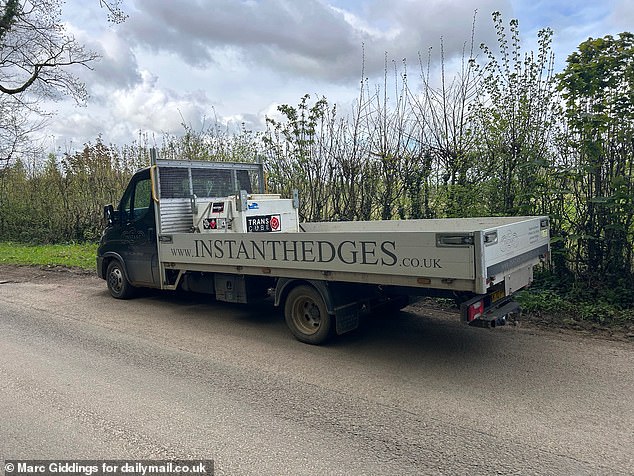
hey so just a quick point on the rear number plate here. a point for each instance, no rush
(497, 295)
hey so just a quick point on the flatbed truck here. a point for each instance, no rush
(208, 227)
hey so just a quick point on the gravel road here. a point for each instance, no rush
(165, 376)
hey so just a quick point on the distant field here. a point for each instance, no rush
(71, 255)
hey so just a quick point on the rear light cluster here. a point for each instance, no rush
(475, 310)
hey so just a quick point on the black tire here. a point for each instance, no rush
(118, 284)
(307, 317)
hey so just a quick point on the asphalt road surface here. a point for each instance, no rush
(84, 376)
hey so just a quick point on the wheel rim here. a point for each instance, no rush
(306, 316)
(115, 280)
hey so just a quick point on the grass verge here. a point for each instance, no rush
(546, 308)
(69, 255)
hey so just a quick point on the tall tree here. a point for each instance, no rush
(517, 111)
(36, 51)
(598, 86)
(36, 60)
(445, 126)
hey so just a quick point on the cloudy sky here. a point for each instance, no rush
(198, 61)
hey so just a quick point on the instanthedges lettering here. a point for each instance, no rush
(347, 252)
(304, 251)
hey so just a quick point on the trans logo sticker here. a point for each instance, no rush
(264, 223)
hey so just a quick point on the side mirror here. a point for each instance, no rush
(109, 214)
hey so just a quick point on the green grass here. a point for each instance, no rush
(71, 255)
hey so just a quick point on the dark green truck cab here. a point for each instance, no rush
(127, 255)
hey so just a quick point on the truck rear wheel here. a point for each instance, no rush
(118, 284)
(306, 315)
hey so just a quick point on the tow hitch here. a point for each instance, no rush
(478, 314)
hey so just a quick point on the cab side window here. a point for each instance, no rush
(142, 198)
(137, 200)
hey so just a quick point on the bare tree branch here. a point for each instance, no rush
(115, 13)
(37, 58)
(36, 53)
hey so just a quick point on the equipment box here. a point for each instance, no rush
(256, 213)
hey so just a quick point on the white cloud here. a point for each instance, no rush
(359, 24)
(145, 107)
(193, 61)
(309, 38)
(152, 108)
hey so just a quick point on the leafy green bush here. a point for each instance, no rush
(578, 301)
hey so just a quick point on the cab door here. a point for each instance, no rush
(138, 232)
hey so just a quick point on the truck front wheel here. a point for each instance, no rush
(118, 284)
(306, 315)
